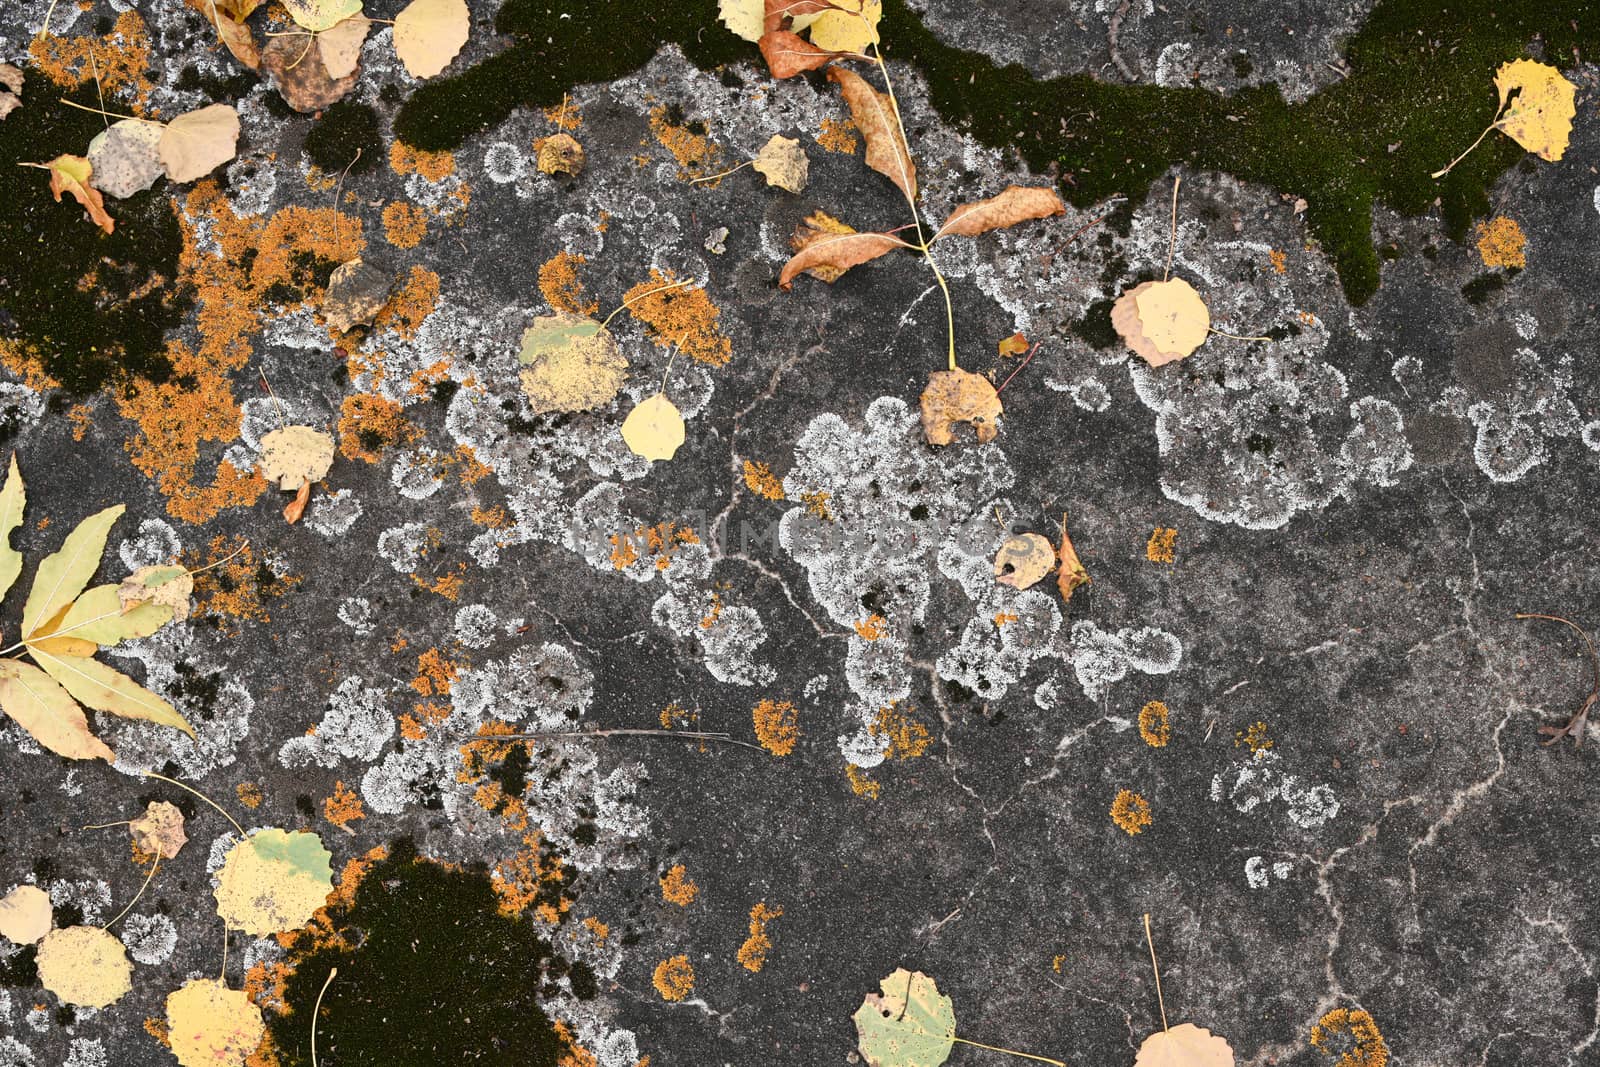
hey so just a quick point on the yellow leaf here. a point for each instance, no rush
(98, 616)
(196, 144)
(65, 646)
(1161, 321)
(1540, 118)
(560, 153)
(70, 174)
(49, 715)
(955, 396)
(743, 17)
(273, 881)
(97, 686)
(295, 454)
(84, 965)
(341, 47)
(63, 574)
(171, 586)
(319, 15)
(159, 830)
(911, 1024)
(850, 30)
(211, 1025)
(1023, 560)
(783, 163)
(25, 914)
(572, 363)
(654, 429)
(12, 500)
(1185, 1045)
(428, 34)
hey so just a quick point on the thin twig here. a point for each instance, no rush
(137, 895)
(104, 113)
(196, 792)
(1234, 336)
(1018, 371)
(1173, 245)
(1079, 232)
(282, 424)
(94, 65)
(1007, 1051)
(317, 1010)
(1159, 998)
(1113, 35)
(1578, 725)
(685, 735)
(648, 292)
(724, 174)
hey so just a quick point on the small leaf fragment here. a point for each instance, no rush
(875, 116)
(1540, 118)
(1071, 573)
(195, 144)
(783, 163)
(1161, 321)
(654, 429)
(297, 507)
(956, 396)
(210, 1025)
(1184, 1045)
(10, 89)
(1016, 204)
(571, 363)
(294, 454)
(48, 713)
(273, 881)
(159, 831)
(428, 34)
(1023, 560)
(71, 174)
(1014, 345)
(911, 1024)
(25, 914)
(85, 966)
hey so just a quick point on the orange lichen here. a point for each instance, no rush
(1280, 262)
(525, 881)
(860, 784)
(414, 301)
(1001, 618)
(1255, 738)
(674, 978)
(404, 225)
(238, 589)
(760, 480)
(343, 807)
(696, 155)
(872, 627)
(121, 58)
(816, 502)
(674, 714)
(248, 794)
(1502, 243)
(1155, 724)
(599, 930)
(1352, 1035)
(777, 726)
(1160, 548)
(495, 518)
(907, 737)
(433, 166)
(369, 423)
(157, 1028)
(753, 953)
(434, 673)
(713, 613)
(838, 135)
(659, 541)
(559, 284)
(81, 418)
(565, 116)
(1131, 812)
(683, 317)
(678, 888)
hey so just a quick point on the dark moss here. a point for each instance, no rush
(66, 1016)
(77, 297)
(20, 968)
(347, 131)
(511, 773)
(1095, 327)
(1242, 67)
(397, 1002)
(305, 806)
(444, 391)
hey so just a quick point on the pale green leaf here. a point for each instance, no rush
(63, 574)
(99, 687)
(12, 500)
(48, 713)
(97, 616)
(911, 1025)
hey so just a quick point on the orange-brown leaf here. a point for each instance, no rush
(835, 253)
(70, 174)
(1017, 204)
(1072, 574)
(788, 54)
(297, 507)
(875, 116)
(777, 11)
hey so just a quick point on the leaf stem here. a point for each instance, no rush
(1018, 371)
(724, 174)
(1151, 942)
(202, 796)
(316, 1010)
(686, 735)
(1493, 124)
(110, 114)
(1172, 246)
(1234, 336)
(153, 867)
(1008, 1051)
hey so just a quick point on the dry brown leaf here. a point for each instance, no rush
(1018, 203)
(297, 507)
(25, 914)
(814, 227)
(70, 174)
(1072, 573)
(428, 34)
(340, 47)
(210, 1025)
(1184, 1045)
(124, 157)
(196, 144)
(11, 95)
(828, 255)
(232, 30)
(1161, 321)
(1540, 119)
(1023, 560)
(874, 115)
(559, 153)
(297, 70)
(788, 54)
(357, 291)
(783, 163)
(954, 396)
(85, 966)
(159, 831)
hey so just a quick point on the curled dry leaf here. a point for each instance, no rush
(163, 586)
(357, 291)
(779, 13)
(227, 17)
(319, 15)
(1540, 118)
(570, 363)
(560, 153)
(85, 966)
(340, 47)
(1023, 560)
(1161, 321)
(827, 253)
(294, 454)
(428, 34)
(874, 115)
(1014, 345)
(788, 54)
(196, 144)
(25, 914)
(1184, 1045)
(783, 163)
(1017, 204)
(273, 881)
(1072, 573)
(297, 507)
(210, 1025)
(71, 174)
(125, 159)
(159, 830)
(302, 79)
(10, 89)
(955, 396)
(654, 429)
(845, 25)
(911, 1024)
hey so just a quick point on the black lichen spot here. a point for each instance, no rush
(1481, 288)
(444, 391)
(511, 773)
(1095, 328)
(197, 693)
(20, 968)
(345, 129)
(430, 972)
(305, 806)
(66, 1016)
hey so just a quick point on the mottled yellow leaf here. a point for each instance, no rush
(1540, 117)
(850, 30)
(911, 1024)
(85, 966)
(1023, 560)
(654, 429)
(957, 396)
(159, 830)
(273, 881)
(25, 914)
(169, 586)
(99, 687)
(783, 163)
(211, 1025)
(571, 363)
(319, 15)
(295, 454)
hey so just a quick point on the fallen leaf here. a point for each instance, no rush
(428, 34)
(195, 144)
(828, 254)
(159, 831)
(13, 498)
(1016, 204)
(783, 163)
(874, 115)
(778, 13)
(227, 17)
(571, 363)
(71, 174)
(954, 396)
(1161, 321)
(297, 507)
(357, 291)
(273, 881)
(85, 966)
(743, 17)
(654, 429)
(911, 1024)
(1072, 573)
(1540, 118)
(169, 586)
(319, 15)
(848, 30)
(1014, 345)
(296, 67)
(788, 54)
(1023, 560)
(559, 153)
(48, 713)
(97, 686)
(124, 158)
(25, 914)
(63, 574)
(340, 47)
(100, 615)
(294, 454)
(210, 1025)
(1184, 1045)
(11, 96)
